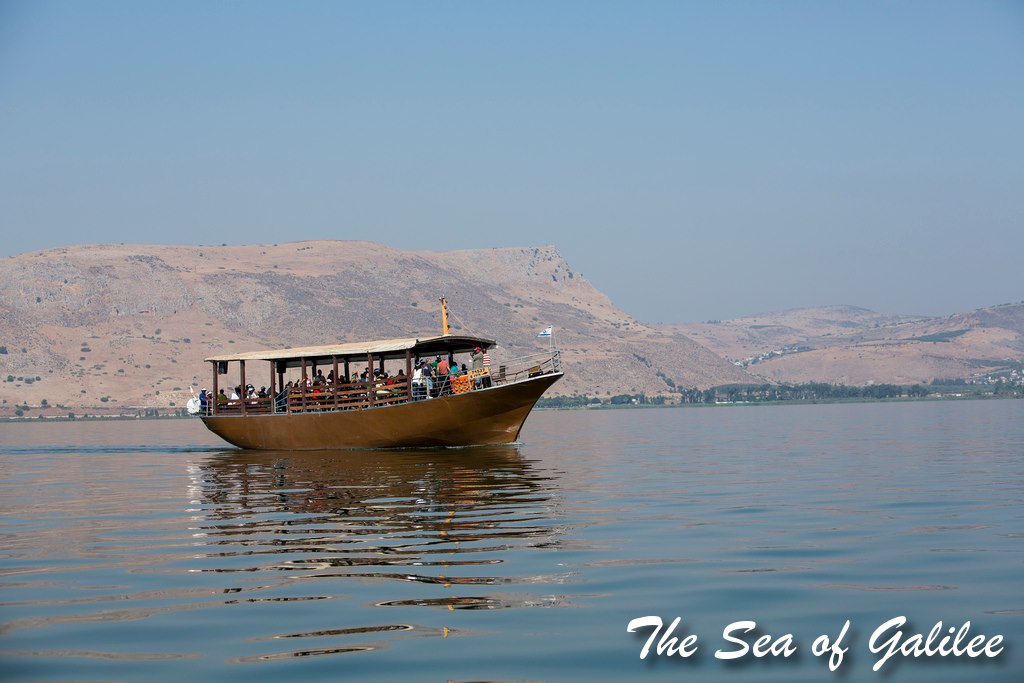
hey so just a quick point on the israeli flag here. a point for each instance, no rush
(546, 332)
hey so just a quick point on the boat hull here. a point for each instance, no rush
(486, 416)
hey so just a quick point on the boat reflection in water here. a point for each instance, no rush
(451, 529)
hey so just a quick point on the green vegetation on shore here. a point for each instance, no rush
(730, 394)
(811, 392)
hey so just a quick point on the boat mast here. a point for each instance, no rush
(444, 316)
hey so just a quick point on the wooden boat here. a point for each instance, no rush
(484, 406)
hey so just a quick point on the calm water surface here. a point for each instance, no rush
(148, 551)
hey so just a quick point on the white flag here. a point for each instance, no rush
(546, 332)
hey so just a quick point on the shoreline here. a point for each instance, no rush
(35, 419)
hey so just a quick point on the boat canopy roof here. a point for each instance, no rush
(382, 348)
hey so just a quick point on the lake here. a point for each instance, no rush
(151, 551)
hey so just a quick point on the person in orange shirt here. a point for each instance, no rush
(443, 370)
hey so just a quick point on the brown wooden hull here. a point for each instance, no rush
(487, 416)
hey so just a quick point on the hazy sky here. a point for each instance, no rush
(693, 160)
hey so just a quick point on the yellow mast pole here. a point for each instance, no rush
(444, 316)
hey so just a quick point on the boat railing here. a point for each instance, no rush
(322, 397)
(346, 396)
(252, 406)
(525, 367)
(384, 392)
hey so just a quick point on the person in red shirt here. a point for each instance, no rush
(443, 370)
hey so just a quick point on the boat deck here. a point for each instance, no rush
(361, 395)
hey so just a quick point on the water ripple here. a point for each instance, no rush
(133, 557)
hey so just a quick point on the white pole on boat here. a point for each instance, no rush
(549, 332)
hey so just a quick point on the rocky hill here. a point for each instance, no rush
(849, 345)
(107, 328)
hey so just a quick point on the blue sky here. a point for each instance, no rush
(693, 160)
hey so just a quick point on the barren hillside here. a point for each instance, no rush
(111, 327)
(848, 345)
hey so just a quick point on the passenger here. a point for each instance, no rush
(397, 384)
(478, 359)
(428, 377)
(221, 396)
(203, 402)
(236, 394)
(443, 371)
(262, 393)
(487, 366)
(282, 398)
(380, 383)
(419, 383)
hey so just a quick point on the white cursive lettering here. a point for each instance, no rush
(763, 646)
(821, 646)
(668, 644)
(917, 645)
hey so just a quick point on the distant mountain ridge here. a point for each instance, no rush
(114, 327)
(104, 327)
(855, 346)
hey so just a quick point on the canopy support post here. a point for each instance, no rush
(241, 372)
(337, 381)
(212, 401)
